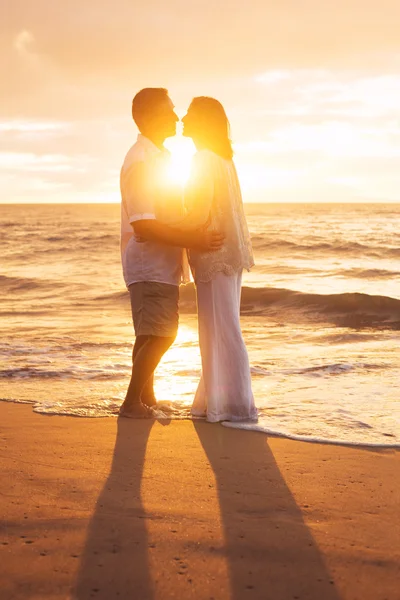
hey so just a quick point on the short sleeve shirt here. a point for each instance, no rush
(141, 199)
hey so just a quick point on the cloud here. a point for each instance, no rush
(310, 88)
(61, 161)
(23, 42)
(32, 127)
(298, 134)
(93, 57)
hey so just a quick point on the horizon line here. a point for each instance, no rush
(245, 203)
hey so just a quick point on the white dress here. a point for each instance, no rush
(213, 200)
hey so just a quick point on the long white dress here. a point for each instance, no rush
(214, 200)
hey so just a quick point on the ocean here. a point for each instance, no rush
(320, 317)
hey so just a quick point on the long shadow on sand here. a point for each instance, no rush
(115, 558)
(270, 552)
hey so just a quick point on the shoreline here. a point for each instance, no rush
(254, 427)
(106, 508)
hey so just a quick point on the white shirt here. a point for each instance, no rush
(145, 196)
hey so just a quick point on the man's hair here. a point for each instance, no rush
(145, 102)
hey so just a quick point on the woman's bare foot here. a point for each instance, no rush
(135, 410)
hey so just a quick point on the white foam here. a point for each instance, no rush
(306, 438)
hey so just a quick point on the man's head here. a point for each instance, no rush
(153, 113)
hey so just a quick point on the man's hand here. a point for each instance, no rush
(207, 241)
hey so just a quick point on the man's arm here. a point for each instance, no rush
(140, 188)
(203, 241)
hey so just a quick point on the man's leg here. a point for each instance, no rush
(139, 341)
(141, 410)
(154, 309)
(145, 362)
(148, 397)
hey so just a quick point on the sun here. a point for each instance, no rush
(182, 151)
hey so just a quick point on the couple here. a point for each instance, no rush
(157, 224)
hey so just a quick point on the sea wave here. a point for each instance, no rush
(354, 273)
(55, 346)
(10, 284)
(335, 369)
(41, 367)
(347, 310)
(76, 238)
(337, 248)
(353, 309)
(359, 434)
(80, 374)
(10, 224)
(14, 284)
(263, 427)
(367, 273)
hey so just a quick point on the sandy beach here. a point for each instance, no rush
(100, 508)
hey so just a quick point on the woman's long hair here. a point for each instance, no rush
(216, 127)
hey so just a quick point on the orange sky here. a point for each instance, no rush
(312, 89)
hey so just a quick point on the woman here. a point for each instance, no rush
(213, 200)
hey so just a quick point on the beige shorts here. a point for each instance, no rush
(154, 308)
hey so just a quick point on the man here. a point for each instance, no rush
(151, 250)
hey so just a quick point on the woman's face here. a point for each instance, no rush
(192, 123)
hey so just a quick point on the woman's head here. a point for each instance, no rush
(206, 122)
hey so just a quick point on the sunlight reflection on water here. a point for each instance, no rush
(180, 369)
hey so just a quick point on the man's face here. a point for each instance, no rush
(164, 119)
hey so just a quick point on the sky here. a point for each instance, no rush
(311, 88)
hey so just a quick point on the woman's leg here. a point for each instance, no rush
(225, 364)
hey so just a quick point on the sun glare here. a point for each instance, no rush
(179, 370)
(182, 151)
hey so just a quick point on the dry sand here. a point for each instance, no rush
(107, 509)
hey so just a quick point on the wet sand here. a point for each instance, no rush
(120, 509)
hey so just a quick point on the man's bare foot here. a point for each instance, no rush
(135, 410)
(150, 401)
